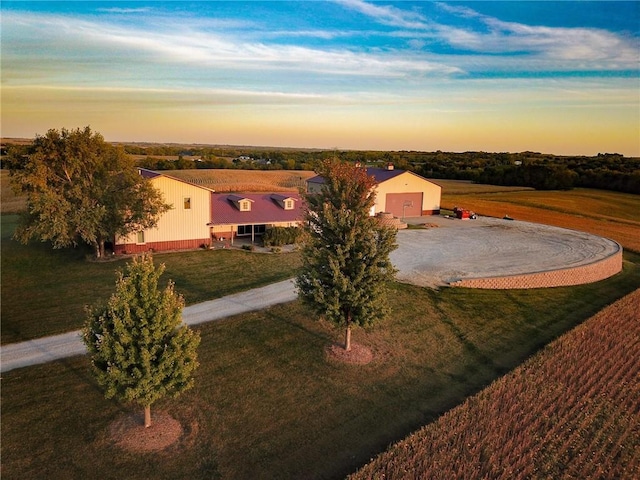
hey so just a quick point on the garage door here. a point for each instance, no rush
(404, 204)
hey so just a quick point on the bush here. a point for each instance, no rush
(278, 236)
(251, 248)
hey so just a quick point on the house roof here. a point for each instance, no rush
(264, 209)
(379, 174)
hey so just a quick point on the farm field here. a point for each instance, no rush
(571, 411)
(222, 180)
(608, 214)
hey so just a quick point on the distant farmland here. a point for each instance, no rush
(569, 412)
(609, 214)
(222, 180)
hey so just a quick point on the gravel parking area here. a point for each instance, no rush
(450, 249)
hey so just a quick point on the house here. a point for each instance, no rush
(184, 226)
(199, 216)
(251, 214)
(399, 192)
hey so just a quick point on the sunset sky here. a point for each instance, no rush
(547, 76)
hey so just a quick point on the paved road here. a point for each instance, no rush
(42, 350)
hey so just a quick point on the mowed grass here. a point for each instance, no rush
(612, 215)
(44, 291)
(268, 404)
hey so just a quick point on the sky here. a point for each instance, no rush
(560, 77)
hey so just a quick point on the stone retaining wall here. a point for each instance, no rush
(590, 273)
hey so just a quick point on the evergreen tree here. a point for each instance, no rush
(345, 257)
(139, 349)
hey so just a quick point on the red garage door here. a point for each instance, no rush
(404, 204)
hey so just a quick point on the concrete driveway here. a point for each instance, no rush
(453, 249)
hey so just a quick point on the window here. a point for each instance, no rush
(187, 203)
(288, 204)
(245, 206)
(140, 238)
(249, 229)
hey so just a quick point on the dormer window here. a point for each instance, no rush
(241, 203)
(287, 203)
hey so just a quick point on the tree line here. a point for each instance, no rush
(607, 171)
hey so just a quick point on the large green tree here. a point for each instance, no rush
(80, 188)
(140, 349)
(345, 258)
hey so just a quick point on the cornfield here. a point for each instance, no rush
(571, 412)
(222, 180)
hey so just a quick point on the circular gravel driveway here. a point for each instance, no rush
(453, 249)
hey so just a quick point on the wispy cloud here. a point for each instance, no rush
(77, 38)
(570, 48)
(386, 14)
(124, 10)
(565, 44)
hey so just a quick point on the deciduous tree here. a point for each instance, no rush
(80, 188)
(140, 351)
(345, 258)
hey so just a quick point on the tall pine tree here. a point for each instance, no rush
(345, 258)
(139, 349)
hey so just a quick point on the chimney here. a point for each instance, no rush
(389, 166)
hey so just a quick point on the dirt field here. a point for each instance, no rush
(453, 249)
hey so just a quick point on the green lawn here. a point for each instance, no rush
(268, 404)
(44, 291)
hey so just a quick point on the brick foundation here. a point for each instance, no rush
(593, 272)
(162, 246)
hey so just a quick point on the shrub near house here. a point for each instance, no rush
(278, 236)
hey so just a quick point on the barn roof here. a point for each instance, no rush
(379, 174)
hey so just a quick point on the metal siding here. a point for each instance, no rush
(409, 182)
(395, 204)
(178, 224)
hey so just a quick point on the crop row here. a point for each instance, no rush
(572, 411)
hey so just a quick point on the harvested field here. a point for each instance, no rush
(222, 180)
(569, 412)
(608, 214)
